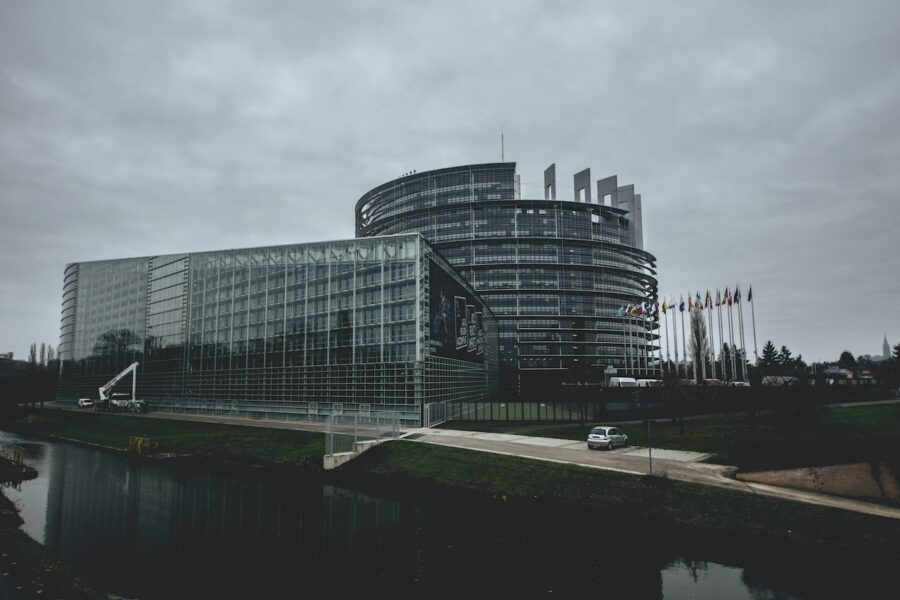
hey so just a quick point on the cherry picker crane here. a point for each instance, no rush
(106, 389)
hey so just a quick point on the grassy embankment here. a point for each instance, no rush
(29, 569)
(230, 443)
(834, 435)
(425, 469)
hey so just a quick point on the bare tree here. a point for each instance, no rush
(32, 355)
(42, 358)
(699, 345)
(51, 354)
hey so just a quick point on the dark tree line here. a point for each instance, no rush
(780, 362)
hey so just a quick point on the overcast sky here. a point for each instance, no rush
(764, 137)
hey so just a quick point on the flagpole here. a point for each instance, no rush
(632, 347)
(625, 322)
(712, 335)
(675, 335)
(662, 373)
(683, 338)
(666, 318)
(700, 354)
(743, 347)
(722, 341)
(753, 317)
(624, 346)
(645, 344)
(731, 342)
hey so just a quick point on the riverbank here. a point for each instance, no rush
(32, 571)
(426, 469)
(429, 469)
(245, 446)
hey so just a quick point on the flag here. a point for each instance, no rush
(665, 306)
(728, 297)
(697, 302)
(750, 294)
(656, 307)
(737, 294)
(620, 312)
(708, 300)
(718, 298)
(681, 305)
(690, 303)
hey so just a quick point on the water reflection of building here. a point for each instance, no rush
(293, 331)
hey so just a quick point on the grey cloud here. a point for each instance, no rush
(762, 136)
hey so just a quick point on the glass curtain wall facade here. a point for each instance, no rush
(298, 331)
(555, 272)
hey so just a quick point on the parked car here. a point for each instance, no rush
(606, 437)
(85, 403)
(739, 383)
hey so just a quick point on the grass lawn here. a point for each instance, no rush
(254, 445)
(835, 435)
(511, 479)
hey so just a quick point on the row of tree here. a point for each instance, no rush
(41, 357)
(780, 362)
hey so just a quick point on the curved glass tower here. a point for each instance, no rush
(555, 272)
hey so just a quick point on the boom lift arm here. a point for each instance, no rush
(132, 368)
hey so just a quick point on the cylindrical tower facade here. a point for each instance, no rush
(556, 273)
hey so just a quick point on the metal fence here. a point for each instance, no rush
(638, 403)
(435, 413)
(347, 433)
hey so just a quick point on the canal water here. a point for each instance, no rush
(160, 530)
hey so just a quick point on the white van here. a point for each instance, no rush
(622, 382)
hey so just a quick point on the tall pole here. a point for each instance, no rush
(624, 346)
(631, 357)
(666, 319)
(642, 358)
(753, 317)
(700, 354)
(683, 339)
(731, 342)
(675, 338)
(658, 323)
(743, 347)
(722, 340)
(712, 336)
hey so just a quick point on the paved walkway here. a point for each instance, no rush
(677, 465)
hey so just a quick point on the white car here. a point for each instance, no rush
(606, 437)
(85, 403)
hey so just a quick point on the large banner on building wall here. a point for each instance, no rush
(457, 326)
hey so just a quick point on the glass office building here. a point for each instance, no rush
(299, 331)
(555, 272)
